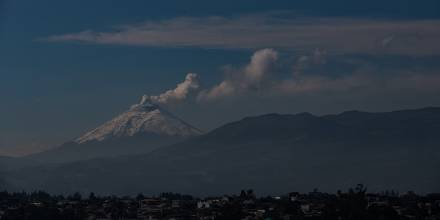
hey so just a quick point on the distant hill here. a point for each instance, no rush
(13, 163)
(270, 153)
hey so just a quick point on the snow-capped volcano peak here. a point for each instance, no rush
(143, 118)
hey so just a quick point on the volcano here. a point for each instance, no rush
(144, 127)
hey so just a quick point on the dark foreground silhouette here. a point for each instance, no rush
(355, 204)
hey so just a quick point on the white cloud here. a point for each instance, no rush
(336, 35)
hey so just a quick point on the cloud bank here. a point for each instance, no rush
(336, 35)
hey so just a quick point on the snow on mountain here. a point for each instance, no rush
(143, 118)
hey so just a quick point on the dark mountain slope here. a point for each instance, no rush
(303, 126)
(419, 124)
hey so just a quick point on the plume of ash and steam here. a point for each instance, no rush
(178, 94)
(261, 76)
(251, 77)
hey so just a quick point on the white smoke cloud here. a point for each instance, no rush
(261, 63)
(180, 93)
(252, 77)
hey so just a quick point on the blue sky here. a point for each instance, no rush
(67, 66)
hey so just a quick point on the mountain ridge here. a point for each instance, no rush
(224, 161)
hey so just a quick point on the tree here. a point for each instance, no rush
(140, 196)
